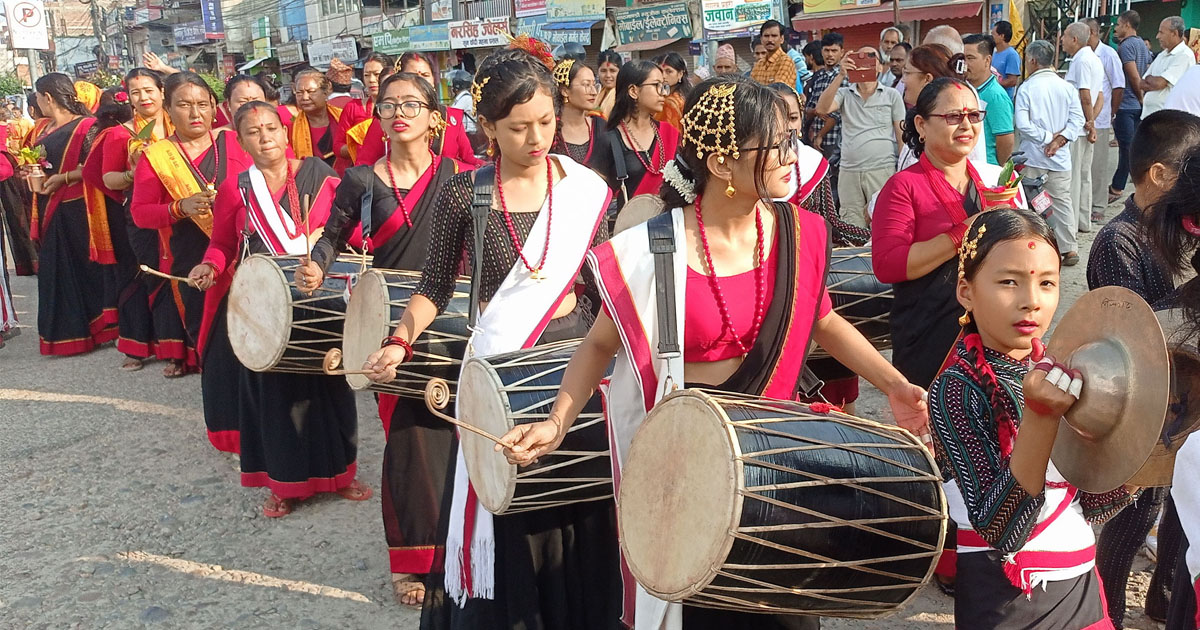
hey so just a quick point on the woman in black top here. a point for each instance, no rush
(579, 123)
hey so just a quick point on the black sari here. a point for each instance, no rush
(72, 317)
(17, 203)
(419, 455)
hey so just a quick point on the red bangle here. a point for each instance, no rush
(1039, 408)
(392, 340)
(957, 233)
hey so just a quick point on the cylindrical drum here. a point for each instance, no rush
(859, 296)
(760, 505)
(275, 327)
(378, 301)
(504, 390)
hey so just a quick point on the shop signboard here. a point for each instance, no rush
(575, 10)
(429, 38)
(290, 53)
(653, 23)
(190, 33)
(535, 27)
(729, 17)
(393, 42)
(482, 33)
(529, 8)
(320, 54)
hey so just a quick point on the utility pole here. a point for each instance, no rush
(97, 30)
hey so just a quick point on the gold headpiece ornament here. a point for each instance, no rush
(711, 119)
(967, 251)
(477, 90)
(562, 72)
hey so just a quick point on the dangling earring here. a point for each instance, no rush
(566, 99)
(730, 191)
(491, 148)
(964, 319)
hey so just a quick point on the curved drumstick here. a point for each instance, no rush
(333, 359)
(166, 276)
(437, 397)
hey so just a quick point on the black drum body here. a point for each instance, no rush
(859, 296)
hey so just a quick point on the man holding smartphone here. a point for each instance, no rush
(871, 117)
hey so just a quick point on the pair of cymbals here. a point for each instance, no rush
(1134, 411)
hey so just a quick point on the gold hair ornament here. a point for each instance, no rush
(968, 250)
(713, 115)
(477, 90)
(562, 72)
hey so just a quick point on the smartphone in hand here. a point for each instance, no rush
(865, 64)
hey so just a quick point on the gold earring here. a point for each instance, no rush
(491, 148)
(964, 319)
(566, 99)
(730, 191)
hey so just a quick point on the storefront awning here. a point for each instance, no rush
(650, 45)
(910, 11)
(249, 65)
(564, 26)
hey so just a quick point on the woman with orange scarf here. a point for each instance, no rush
(317, 130)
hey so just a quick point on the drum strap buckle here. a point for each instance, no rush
(810, 384)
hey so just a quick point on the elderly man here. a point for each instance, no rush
(1135, 61)
(1049, 115)
(946, 36)
(893, 77)
(1006, 61)
(888, 38)
(998, 124)
(776, 67)
(1087, 75)
(1168, 67)
(1114, 92)
(726, 61)
(868, 140)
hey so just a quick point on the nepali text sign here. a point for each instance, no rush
(290, 52)
(534, 27)
(724, 16)
(262, 47)
(441, 10)
(86, 69)
(528, 8)
(575, 10)
(320, 54)
(479, 33)
(429, 38)
(214, 24)
(374, 24)
(27, 24)
(393, 42)
(190, 33)
(653, 23)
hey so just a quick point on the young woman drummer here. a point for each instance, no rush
(298, 431)
(578, 124)
(174, 187)
(643, 144)
(749, 282)
(70, 225)
(317, 130)
(1026, 555)
(555, 567)
(402, 187)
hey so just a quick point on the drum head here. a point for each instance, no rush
(678, 498)
(259, 312)
(637, 210)
(368, 321)
(482, 403)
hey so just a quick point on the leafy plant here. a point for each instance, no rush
(11, 84)
(217, 85)
(104, 79)
(31, 155)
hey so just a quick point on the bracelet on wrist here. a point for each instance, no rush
(392, 340)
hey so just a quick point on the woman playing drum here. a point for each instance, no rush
(643, 145)
(748, 280)
(298, 431)
(579, 123)
(70, 224)
(174, 186)
(402, 187)
(317, 130)
(554, 567)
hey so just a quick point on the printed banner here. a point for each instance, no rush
(429, 38)
(653, 23)
(441, 10)
(534, 27)
(482, 33)
(575, 10)
(290, 52)
(529, 8)
(210, 14)
(320, 54)
(724, 16)
(393, 42)
(190, 33)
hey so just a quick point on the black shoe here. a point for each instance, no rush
(1070, 259)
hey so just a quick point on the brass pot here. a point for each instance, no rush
(36, 179)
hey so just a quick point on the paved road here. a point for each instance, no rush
(116, 513)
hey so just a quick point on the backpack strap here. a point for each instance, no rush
(484, 185)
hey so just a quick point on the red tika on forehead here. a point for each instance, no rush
(1032, 244)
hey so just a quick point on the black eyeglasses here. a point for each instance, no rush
(785, 146)
(408, 109)
(662, 87)
(955, 119)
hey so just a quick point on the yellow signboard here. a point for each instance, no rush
(825, 6)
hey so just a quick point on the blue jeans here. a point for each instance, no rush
(1123, 128)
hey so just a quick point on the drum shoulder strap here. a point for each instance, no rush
(661, 231)
(618, 157)
(484, 185)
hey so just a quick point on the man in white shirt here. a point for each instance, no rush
(1185, 96)
(1048, 115)
(1168, 67)
(1087, 75)
(1114, 91)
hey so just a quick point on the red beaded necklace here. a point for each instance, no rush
(216, 159)
(759, 278)
(294, 202)
(535, 272)
(387, 159)
(637, 149)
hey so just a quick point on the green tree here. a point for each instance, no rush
(11, 84)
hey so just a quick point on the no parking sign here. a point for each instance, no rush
(27, 24)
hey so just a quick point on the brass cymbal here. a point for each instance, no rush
(1112, 336)
(1183, 410)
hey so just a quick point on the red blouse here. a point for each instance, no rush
(456, 145)
(150, 206)
(906, 212)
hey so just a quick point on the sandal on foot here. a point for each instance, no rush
(1113, 196)
(356, 491)
(408, 589)
(132, 364)
(946, 586)
(175, 369)
(275, 507)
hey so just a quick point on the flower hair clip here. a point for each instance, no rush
(674, 176)
(121, 97)
(709, 125)
(477, 90)
(968, 250)
(562, 72)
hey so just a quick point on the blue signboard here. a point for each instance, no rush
(210, 13)
(429, 37)
(535, 27)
